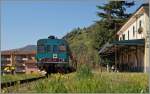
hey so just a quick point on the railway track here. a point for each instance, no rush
(12, 83)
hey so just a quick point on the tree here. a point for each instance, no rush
(113, 16)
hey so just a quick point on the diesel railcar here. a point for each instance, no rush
(53, 55)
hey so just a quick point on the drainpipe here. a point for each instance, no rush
(115, 57)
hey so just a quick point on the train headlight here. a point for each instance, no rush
(63, 60)
(40, 59)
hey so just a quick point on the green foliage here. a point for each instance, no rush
(99, 83)
(86, 42)
(80, 42)
(100, 37)
(113, 15)
(71, 35)
(115, 9)
(84, 71)
(52, 86)
(9, 77)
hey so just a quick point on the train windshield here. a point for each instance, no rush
(49, 48)
(62, 48)
(55, 48)
(41, 49)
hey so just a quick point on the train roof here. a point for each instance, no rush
(48, 40)
(51, 39)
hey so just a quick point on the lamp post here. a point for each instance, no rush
(13, 62)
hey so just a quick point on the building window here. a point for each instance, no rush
(140, 30)
(128, 34)
(123, 36)
(120, 38)
(133, 31)
(140, 23)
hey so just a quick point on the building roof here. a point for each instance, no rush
(18, 52)
(129, 42)
(144, 8)
(110, 47)
(105, 47)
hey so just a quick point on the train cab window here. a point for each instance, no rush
(62, 48)
(49, 48)
(41, 48)
(55, 48)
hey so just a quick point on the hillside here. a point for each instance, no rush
(28, 48)
(81, 43)
(25, 48)
(86, 42)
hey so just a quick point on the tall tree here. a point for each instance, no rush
(113, 16)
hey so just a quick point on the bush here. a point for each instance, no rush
(84, 71)
(92, 83)
(55, 85)
(9, 77)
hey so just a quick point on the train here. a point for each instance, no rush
(54, 55)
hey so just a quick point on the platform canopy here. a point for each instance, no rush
(109, 48)
(129, 42)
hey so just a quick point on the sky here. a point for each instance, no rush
(24, 22)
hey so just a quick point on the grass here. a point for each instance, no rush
(91, 82)
(10, 77)
(98, 83)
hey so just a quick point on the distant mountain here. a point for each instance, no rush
(25, 48)
(28, 48)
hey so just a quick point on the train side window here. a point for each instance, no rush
(49, 49)
(55, 48)
(62, 48)
(41, 48)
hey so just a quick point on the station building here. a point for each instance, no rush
(131, 51)
(23, 61)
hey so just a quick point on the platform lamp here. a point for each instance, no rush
(13, 60)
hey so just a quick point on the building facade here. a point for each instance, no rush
(130, 52)
(23, 61)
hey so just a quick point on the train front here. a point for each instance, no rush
(52, 54)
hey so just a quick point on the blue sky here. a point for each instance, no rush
(24, 22)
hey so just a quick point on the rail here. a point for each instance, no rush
(12, 83)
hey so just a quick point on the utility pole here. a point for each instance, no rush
(147, 47)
